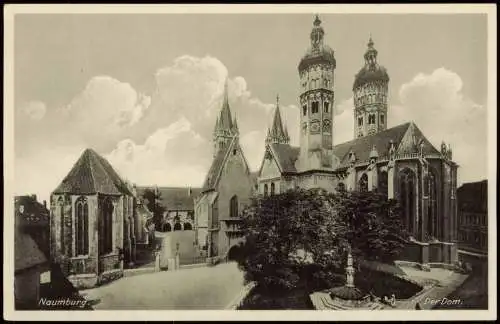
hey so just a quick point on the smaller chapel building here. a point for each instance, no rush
(94, 222)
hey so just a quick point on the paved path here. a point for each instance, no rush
(197, 288)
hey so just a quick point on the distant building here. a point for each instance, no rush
(228, 187)
(94, 223)
(473, 217)
(33, 218)
(178, 204)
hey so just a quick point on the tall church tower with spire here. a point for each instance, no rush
(316, 70)
(226, 127)
(370, 96)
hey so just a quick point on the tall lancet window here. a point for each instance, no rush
(60, 211)
(407, 182)
(265, 190)
(363, 183)
(233, 207)
(82, 227)
(432, 219)
(272, 188)
(106, 227)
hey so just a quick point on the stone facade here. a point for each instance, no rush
(227, 189)
(399, 161)
(93, 223)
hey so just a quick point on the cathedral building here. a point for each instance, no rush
(94, 222)
(227, 188)
(399, 161)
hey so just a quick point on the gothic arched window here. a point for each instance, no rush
(167, 227)
(106, 227)
(363, 183)
(407, 182)
(265, 189)
(315, 107)
(371, 119)
(382, 119)
(326, 107)
(60, 209)
(272, 188)
(304, 110)
(82, 227)
(341, 187)
(360, 121)
(188, 227)
(233, 207)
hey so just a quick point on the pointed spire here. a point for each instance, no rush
(235, 126)
(277, 132)
(225, 119)
(371, 52)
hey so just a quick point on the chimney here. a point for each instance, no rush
(45, 204)
(190, 192)
(33, 197)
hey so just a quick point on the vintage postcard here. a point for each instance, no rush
(266, 162)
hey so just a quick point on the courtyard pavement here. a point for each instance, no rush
(196, 288)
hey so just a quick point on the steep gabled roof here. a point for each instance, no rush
(92, 174)
(213, 175)
(285, 156)
(402, 136)
(27, 253)
(216, 167)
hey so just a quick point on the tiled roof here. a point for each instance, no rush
(92, 174)
(286, 156)
(174, 198)
(27, 253)
(216, 168)
(361, 147)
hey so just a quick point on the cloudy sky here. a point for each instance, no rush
(144, 90)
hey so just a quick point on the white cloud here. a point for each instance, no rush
(174, 155)
(436, 103)
(34, 109)
(106, 108)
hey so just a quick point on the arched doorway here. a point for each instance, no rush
(177, 227)
(166, 227)
(188, 227)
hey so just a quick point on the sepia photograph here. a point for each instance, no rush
(176, 158)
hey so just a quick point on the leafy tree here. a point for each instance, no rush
(300, 236)
(152, 200)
